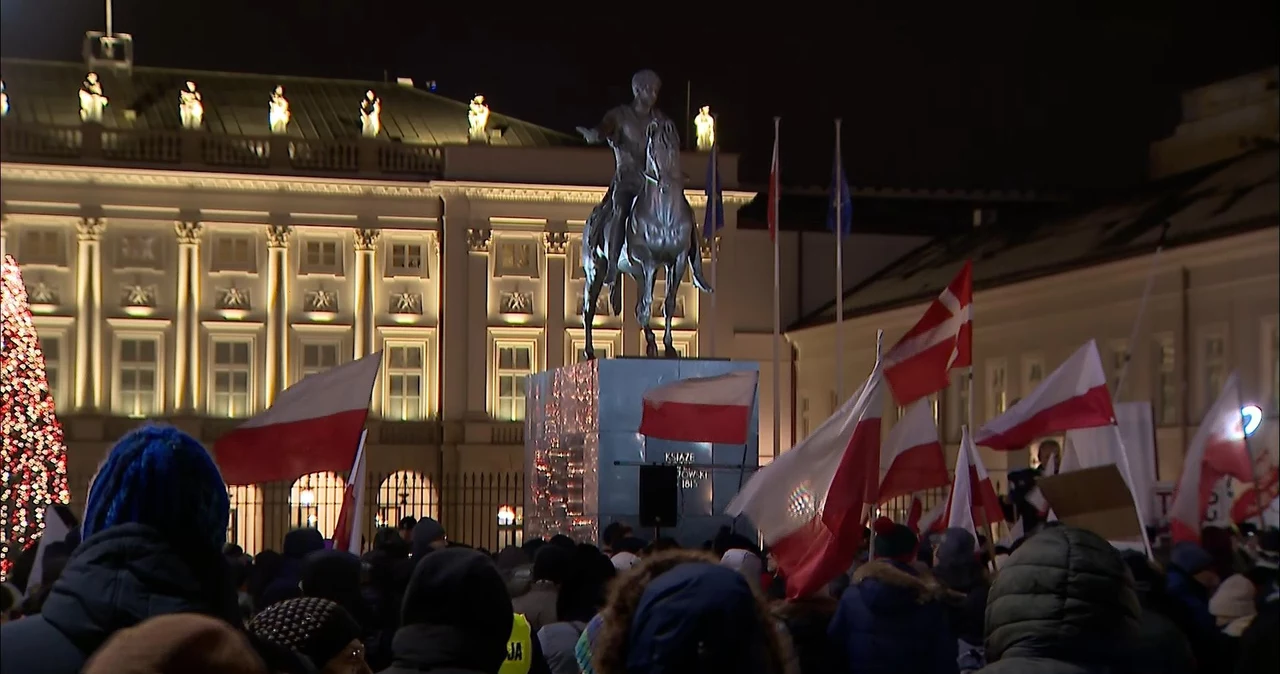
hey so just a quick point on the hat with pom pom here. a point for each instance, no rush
(161, 477)
(894, 541)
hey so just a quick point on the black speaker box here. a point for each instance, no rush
(659, 495)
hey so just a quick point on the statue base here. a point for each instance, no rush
(583, 452)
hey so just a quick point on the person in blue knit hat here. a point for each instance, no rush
(153, 531)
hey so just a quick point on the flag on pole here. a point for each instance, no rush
(1218, 450)
(973, 502)
(921, 362)
(701, 409)
(840, 194)
(775, 188)
(809, 504)
(713, 219)
(313, 427)
(1073, 396)
(914, 455)
(349, 530)
(925, 523)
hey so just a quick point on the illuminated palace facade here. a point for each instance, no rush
(193, 243)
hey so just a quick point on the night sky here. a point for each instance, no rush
(1016, 97)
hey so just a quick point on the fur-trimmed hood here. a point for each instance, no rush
(900, 576)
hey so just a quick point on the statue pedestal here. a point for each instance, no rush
(583, 452)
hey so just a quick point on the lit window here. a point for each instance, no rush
(51, 347)
(319, 358)
(603, 350)
(805, 418)
(1119, 354)
(958, 407)
(233, 253)
(515, 363)
(997, 388)
(43, 246)
(406, 259)
(232, 367)
(404, 381)
(137, 366)
(315, 501)
(516, 258)
(244, 523)
(321, 257)
(406, 494)
(1165, 386)
(1214, 368)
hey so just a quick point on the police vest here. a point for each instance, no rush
(519, 648)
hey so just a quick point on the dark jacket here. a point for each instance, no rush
(1259, 647)
(1161, 646)
(1063, 603)
(456, 617)
(806, 620)
(297, 545)
(116, 579)
(891, 620)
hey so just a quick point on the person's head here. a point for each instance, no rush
(746, 563)
(957, 563)
(645, 86)
(460, 595)
(582, 594)
(563, 541)
(177, 643)
(613, 534)
(1233, 600)
(232, 552)
(681, 611)
(407, 523)
(552, 564)
(332, 575)
(428, 535)
(158, 476)
(318, 629)
(1192, 560)
(894, 541)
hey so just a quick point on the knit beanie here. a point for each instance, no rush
(313, 627)
(1233, 599)
(161, 477)
(894, 541)
(177, 642)
(1191, 558)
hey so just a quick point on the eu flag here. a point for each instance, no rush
(713, 220)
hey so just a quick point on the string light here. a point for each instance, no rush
(564, 476)
(33, 464)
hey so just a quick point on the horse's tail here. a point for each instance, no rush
(695, 263)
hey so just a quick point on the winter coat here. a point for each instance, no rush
(538, 605)
(806, 622)
(116, 579)
(558, 642)
(891, 620)
(1064, 603)
(298, 543)
(1259, 647)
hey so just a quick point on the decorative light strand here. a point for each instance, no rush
(33, 463)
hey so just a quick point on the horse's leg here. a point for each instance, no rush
(644, 307)
(595, 281)
(675, 276)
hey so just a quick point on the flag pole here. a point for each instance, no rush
(713, 203)
(777, 305)
(1137, 321)
(839, 232)
(1253, 466)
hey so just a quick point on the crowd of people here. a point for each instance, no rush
(147, 585)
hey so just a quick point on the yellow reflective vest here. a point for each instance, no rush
(519, 648)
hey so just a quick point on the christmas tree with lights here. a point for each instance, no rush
(33, 464)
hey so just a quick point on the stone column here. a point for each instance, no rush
(186, 360)
(479, 242)
(366, 239)
(556, 244)
(277, 311)
(88, 374)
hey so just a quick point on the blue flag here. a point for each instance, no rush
(713, 220)
(840, 190)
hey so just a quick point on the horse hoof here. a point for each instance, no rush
(590, 354)
(671, 353)
(651, 351)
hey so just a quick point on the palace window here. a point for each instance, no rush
(232, 371)
(1032, 373)
(603, 350)
(137, 367)
(515, 364)
(51, 347)
(43, 246)
(516, 257)
(958, 410)
(138, 250)
(318, 357)
(1213, 367)
(233, 252)
(1165, 384)
(404, 380)
(320, 256)
(997, 388)
(406, 259)
(1118, 355)
(806, 421)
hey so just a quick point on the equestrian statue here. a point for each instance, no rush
(644, 221)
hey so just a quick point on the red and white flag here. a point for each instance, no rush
(701, 409)
(775, 188)
(925, 523)
(349, 530)
(1255, 500)
(1073, 396)
(314, 426)
(973, 502)
(913, 454)
(809, 504)
(921, 362)
(1218, 450)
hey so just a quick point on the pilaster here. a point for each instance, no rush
(556, 245)
(479, 243)
(89, 319)
(186, 361)
(366, 240)
(277, 311)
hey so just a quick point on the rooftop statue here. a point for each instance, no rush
(92, 100)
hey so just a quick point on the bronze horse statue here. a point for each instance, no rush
(660, 232)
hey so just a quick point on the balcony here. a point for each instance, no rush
(95, 145)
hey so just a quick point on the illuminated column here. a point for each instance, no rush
(88, 382)
(555, 243)
(277, 310)
(186, 358)
(363, 288)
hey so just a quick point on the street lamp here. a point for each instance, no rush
(1250, 419)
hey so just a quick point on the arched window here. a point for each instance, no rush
(315, 500)
(244, 526)
(404, 494)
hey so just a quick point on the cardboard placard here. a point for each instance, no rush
(1096, 499)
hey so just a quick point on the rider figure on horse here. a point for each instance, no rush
(625, 130)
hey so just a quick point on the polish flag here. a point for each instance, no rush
(1074, 396)
(921, 362)
(349, 529)
(914, 455)
(701, 409)
(314, 426)
(1218, 450)
(973, 501)
(932, 522)
(1252, 502)
(775, 188)
(809, 504)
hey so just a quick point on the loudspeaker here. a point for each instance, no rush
(659, 493)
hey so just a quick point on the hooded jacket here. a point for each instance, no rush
(297, 545)
(891, 620)
(116, 579)
(1064, 603)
